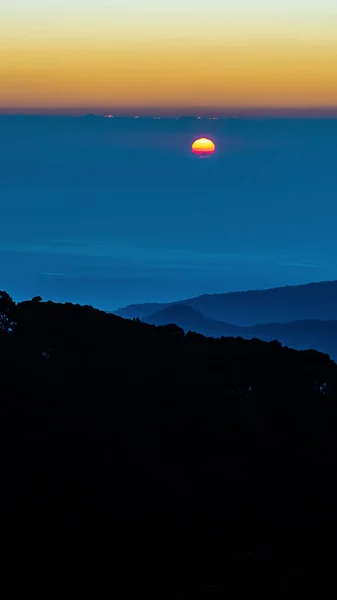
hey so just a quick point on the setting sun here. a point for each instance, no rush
(203, 147)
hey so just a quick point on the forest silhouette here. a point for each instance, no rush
(162, 450)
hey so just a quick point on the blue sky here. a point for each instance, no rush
(112, 214)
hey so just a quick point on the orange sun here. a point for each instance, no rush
(203, 147)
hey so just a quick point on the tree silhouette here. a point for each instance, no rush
(7, 311)
(206, 448)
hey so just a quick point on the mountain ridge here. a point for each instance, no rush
(311, 301)
(304, 334)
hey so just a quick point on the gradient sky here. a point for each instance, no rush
(178, 55)
(113, 212)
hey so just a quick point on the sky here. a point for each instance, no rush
(178, 56)
(111, 212)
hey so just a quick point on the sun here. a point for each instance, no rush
(203, 147)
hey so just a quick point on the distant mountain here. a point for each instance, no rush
(139, 310)
(301, 335)
(190, 319)
(313, 301)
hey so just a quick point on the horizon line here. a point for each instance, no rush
(177, 112)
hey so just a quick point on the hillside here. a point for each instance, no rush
(281, 305)
(301, 335)
(157, 448)
(190, 319)
(138, 310)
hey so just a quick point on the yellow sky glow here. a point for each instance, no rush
(167, 67)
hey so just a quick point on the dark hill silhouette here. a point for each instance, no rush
(140, 310)
(283, 304)
(302, 335)
(190, 319)
(164, 455)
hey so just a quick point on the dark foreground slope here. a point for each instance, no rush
(302, 335)
(165, 456)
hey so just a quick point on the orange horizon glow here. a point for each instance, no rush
(78, 55)
(247, 76)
